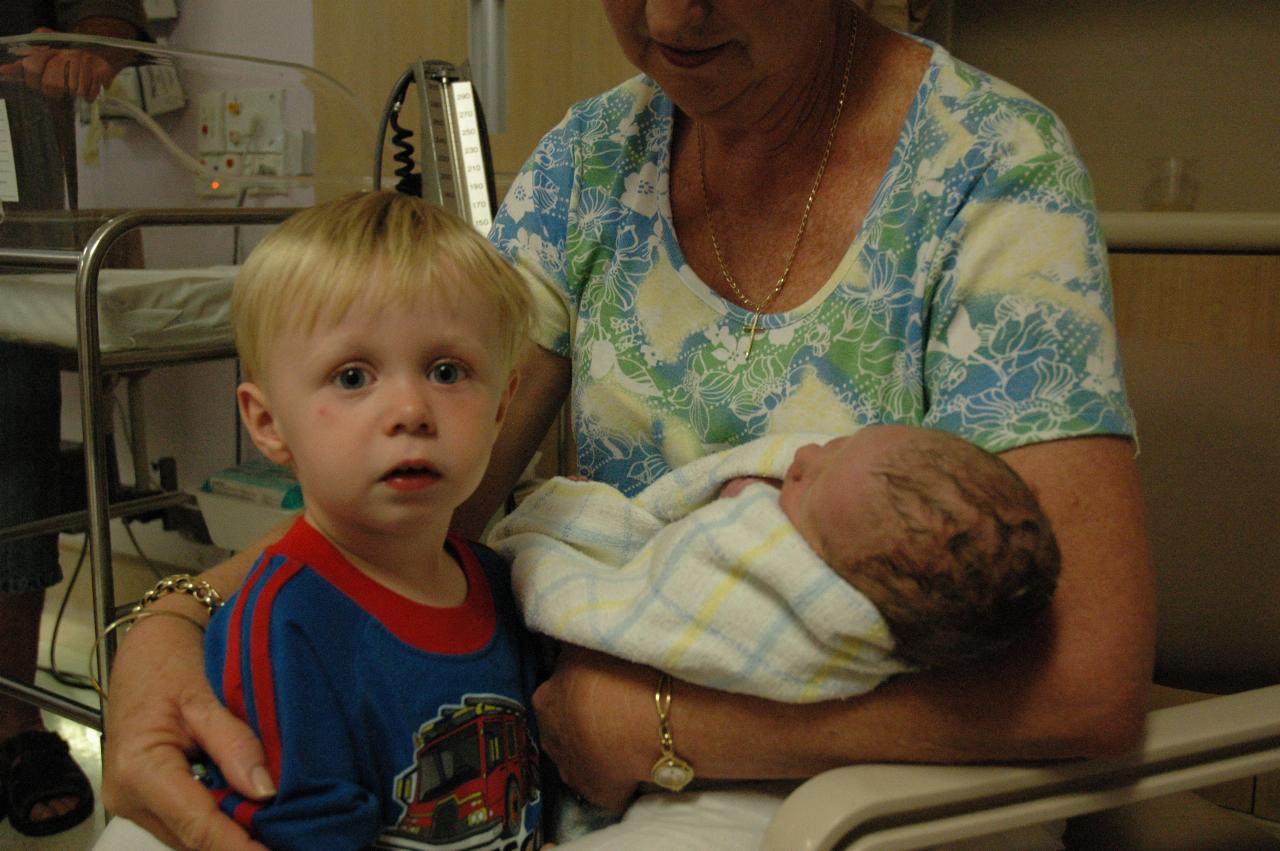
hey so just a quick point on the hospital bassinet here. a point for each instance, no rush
(186, 160)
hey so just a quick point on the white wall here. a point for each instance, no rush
(190, 409)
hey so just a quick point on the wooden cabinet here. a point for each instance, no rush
(1221, 300)
(1200, 338)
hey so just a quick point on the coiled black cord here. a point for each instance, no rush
(409, 182)
(394, 102)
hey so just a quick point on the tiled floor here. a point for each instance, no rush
(75, 639)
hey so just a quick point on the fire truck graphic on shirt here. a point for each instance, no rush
(474, 783)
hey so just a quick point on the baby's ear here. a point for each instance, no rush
(255, 413)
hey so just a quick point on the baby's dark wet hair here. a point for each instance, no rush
(977, 564)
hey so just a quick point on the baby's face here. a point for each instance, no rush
(832, 495)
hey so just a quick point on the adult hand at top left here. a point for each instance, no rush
(598, 723)
(62, 72)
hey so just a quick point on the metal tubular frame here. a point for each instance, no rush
(92, 366)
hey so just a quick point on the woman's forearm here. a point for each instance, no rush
(226, 577)
(1078, 687)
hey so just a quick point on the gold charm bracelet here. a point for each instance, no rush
(670, 771)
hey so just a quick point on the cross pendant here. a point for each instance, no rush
(751, 333)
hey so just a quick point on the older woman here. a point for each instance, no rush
(794, 219)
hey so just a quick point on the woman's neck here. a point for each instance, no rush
(744, 176)
(772, 123)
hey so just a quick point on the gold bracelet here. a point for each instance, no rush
(670, 771)
(182, 583)
(132, 617)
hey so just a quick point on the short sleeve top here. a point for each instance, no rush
(975, 298)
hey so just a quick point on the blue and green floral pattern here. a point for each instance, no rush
(975, 298)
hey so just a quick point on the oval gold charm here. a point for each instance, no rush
(671, 772)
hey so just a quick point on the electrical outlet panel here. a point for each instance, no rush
(225, 169)
(254, 120)
(242, 136)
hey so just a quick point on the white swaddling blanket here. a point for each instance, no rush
(720, 592)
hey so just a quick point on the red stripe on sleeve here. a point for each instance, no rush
(244, 813)
(263, 685)
(232, 664)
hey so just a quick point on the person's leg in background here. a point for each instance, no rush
(43, 790)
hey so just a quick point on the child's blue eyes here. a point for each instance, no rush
(352, 378)
(446, 373)
(356, 378)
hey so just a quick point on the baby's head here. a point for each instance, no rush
(943, 537)
(383, 249)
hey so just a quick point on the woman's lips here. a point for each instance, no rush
(682, 58)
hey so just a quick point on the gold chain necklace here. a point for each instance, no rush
(759, 308)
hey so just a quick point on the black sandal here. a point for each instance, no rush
(37, 767)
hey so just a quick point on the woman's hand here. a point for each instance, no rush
(162, 711)
(597, 722)
(68, 71)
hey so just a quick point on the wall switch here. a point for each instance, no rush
(299, 152)
(126, 87)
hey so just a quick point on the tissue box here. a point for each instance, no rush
(242, 503)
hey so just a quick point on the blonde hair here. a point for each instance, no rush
(382, 246)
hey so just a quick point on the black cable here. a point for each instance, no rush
(410, 183)
(80, 681)
(394, 102)
(71, 680)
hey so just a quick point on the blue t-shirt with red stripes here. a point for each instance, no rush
(380, 716)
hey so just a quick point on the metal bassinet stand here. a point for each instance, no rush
(93, 367)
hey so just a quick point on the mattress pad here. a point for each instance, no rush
(137, 308)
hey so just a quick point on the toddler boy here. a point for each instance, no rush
(380, 659)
